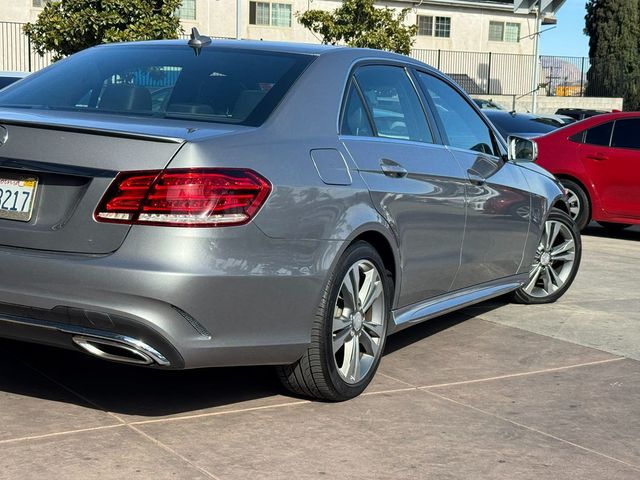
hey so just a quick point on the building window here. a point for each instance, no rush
(504, 32)
(426, 26)
(39, 3)
(270, 14)
(443, 27)
(187, 10)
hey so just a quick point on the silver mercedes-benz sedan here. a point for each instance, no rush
(187, 205)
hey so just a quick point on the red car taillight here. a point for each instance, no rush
(185, 198)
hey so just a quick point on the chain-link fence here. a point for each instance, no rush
(486, 73)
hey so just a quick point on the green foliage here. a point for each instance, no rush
(359, 24)
(68, 26)
(613, 27)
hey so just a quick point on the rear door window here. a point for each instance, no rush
(599, 135)
(463, 127)
(393, 103)
(626, 133)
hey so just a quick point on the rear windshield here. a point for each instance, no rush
(519, 124)
(220, 85)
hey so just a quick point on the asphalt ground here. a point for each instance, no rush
(497, 391)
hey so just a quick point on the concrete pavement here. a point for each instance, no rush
(497, 391)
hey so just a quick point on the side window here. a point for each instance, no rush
(394, 104)
(625, 133)
(600, 135)
(463, 126)
(354, 118)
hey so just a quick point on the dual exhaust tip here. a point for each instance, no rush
(120, 349)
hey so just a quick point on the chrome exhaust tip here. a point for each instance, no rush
(121, 349)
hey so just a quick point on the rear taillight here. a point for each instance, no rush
(186, 198)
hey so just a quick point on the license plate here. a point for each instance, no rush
(17, 193)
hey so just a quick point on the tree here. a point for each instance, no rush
(68, 26)
(359, 24)
(613, 27)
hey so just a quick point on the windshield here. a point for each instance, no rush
(508, 124)
(166, 81)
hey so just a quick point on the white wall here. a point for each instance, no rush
(551, 104)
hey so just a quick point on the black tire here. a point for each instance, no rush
(584, 212)
(614, 227)
(315, 375)
(521, 295)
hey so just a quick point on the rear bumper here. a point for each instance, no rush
(198, 297)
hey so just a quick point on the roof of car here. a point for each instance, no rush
(284, 47)
(290, 47)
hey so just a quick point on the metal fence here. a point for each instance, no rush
(490, 73)
(486, 73)
(16, 52)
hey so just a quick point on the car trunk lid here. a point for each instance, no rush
(73, 158)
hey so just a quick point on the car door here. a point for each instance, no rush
(611, 156)
(414, 182)
(498, 200)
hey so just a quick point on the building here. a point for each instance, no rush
(487, 46)
(460, 25)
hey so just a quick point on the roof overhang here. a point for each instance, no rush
(547, 7)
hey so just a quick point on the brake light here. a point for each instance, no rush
(185, 198)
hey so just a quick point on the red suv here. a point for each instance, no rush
(598, 162)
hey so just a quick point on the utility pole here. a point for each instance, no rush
(238, 19)
(536, 61)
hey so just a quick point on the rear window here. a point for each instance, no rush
(220, 85)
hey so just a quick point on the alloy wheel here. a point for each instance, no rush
(358, 322)
(574, 203)
(553, 262)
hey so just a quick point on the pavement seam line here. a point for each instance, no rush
(161, 445)
(393, 390)
(216, 414)
(57, 434)
(524, 374)
(532, 429)
(397, 379)
(123, 423)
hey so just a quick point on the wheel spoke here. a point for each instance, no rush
(339, 339)
(548, 282)
(373, 328)
(368, 343)
(353, 367)
(551, 229)
(351, 287)
(557, 281)
(533, 278)
(566, 246)
(375, 290)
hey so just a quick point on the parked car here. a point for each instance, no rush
(525, 125)
(487, 104)
(579, 113)
(7, 78)
(598, 162)
(289, 205)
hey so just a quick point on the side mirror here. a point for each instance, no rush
(522, 149)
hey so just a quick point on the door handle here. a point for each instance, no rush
(475, 177)
(392, 169)
(599, 157)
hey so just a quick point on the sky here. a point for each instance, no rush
(567, 38)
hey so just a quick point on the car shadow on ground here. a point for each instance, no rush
(595, 230)
(34, 371)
